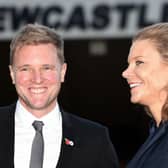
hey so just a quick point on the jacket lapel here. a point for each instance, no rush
(69, 142)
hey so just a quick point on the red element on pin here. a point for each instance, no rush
(69, 142)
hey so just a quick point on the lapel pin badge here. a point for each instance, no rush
(69, 142)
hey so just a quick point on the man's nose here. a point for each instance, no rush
(37, 76)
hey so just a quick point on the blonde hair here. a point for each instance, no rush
(158, 35)
(34, 34)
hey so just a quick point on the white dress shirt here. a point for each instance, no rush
(24, 134)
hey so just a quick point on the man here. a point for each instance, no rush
(37, 69)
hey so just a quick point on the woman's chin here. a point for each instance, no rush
(134, 100)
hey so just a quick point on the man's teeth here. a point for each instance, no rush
(37, 90)
(134, 85)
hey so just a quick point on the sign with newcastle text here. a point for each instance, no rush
(82, 19)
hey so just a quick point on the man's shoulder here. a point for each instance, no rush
(7, 110)
(8, 107)
(81, 122)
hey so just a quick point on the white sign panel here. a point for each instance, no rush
(79, 19)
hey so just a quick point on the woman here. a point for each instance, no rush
(147, 76)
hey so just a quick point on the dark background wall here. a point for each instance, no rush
(94, 89)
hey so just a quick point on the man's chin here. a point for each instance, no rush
(38, 106)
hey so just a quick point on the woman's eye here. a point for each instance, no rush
(139, 62)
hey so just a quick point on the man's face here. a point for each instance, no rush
(37, 74)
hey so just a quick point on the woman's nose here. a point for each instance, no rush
(125, 73)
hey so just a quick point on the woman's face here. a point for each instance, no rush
(147, 74)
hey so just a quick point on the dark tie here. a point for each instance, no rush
(36, 160)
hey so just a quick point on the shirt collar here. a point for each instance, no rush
(25, 118)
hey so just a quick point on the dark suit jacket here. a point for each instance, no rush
(154, 152)
(92, 147)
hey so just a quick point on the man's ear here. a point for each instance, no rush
(63, 72)
(12, 74)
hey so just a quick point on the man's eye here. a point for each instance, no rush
(138, 62)
(24, 69)
(48, 68)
